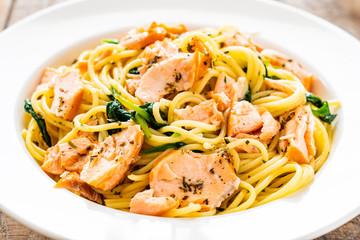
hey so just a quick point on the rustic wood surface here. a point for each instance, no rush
(344, 13)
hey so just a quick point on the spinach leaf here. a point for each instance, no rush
(112, 41)
(164, 147)
(247, 96)
(111, 97)
(145, 110)
(316, 101)
(141, 121)
(129, 104)
(273, 77)
(142, 114)
(39, 120)
(116, 112)
(148, 107)
(266, 64)
(323, 111)
(134, 71)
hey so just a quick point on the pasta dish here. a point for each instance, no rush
(176, 123)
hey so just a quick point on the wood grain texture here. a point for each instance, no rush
(344, 13)
(5, 9)
(24, 8)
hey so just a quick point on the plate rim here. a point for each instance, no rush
(305, 14)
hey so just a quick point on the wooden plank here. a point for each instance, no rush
(11, 229)
(344, 13)
(23, 8)
(5, 6)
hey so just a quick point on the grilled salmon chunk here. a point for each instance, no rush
(204, 112)
(111, 159)
(68, 93)
(72, 182)
(297, 137)
(145, 203)
(191, 177)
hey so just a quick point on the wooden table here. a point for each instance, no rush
(344, 13)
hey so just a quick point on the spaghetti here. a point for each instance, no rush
(221, 79)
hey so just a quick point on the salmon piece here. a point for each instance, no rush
(190, 177)
(227, 90)
(111, 159)
(69, 156)
(254, 122)
(205, 112)
(309, 135)
(71, 181)
(229, 86)
(222, 101)
(47, 78)
(174, 29)
(173, 75)
(270, 126)
(73, 155)
(52, 163)
(284, 62)
(195, 45)
(243, 118)
(48, 75)
(68, 93)
(145, 203)
(132, 85)
(159, 51)
(297, 138)
(83, 66)
(137, 39)
(235, 38)
(140, 38)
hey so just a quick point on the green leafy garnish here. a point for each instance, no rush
(134, 70)
(227, 141)
(115, 112)
(323, 111)
(141, 121)
(142, 114)
(112, 41)
(39, 120)
(148, 107)
(266, 64)
(72, 144)
(176, 135)
(316, 101)
(273, 77)
(164, 147)
(247, 96)
(129, 104)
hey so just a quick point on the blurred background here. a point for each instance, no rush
(343, 13)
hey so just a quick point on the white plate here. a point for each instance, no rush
(56, 35)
